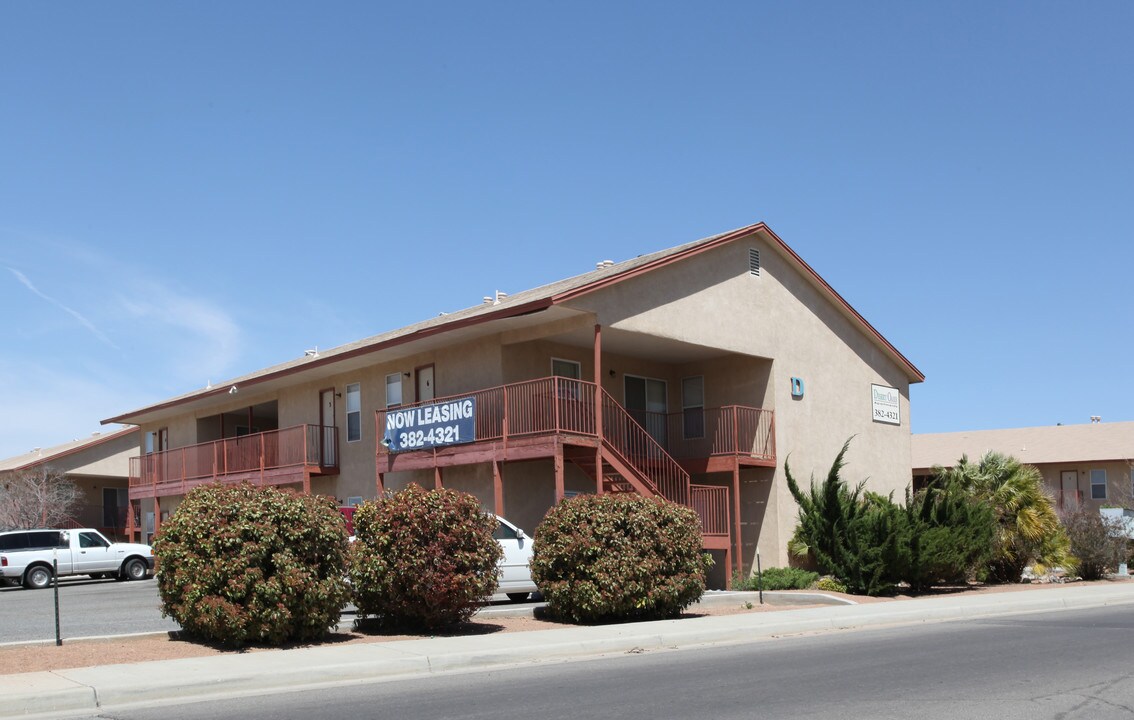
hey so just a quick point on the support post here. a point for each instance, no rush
(437, 477)
(736, 516)
(598, 408)
(498, 488)
(157, 516)
(380, 484)
(559, 492)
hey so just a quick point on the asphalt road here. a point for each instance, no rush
(1070, 664)
(98, 608)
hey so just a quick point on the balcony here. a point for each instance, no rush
(277, 457)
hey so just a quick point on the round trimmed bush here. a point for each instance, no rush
(422, 559)
(240, 564)
(600, 558)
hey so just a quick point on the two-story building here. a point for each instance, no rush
(689, 373)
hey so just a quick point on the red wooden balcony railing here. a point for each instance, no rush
(711, 503)
(294, 447)
(709, 432)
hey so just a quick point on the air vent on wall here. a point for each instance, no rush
(753, 261)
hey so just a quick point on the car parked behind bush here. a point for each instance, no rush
(422, 559)
(600, 558)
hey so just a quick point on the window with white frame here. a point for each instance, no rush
(353, 412)
(393, 389)
(1098, 484)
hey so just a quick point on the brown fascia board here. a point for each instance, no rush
(78, 448)
(912, 372)
(222, 389)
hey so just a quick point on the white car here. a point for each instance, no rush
(515, 571)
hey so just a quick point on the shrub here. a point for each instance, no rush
(422, 559)
(599, 558)
(830, 584)
(779, 578)
(1027, 527)
(242, 564)
(1098, 543)
(858, 536)
(950, 536)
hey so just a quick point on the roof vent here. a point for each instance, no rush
(496, 299)
(1096, 419)
(312, 353)
(601, 264)
(753, 261)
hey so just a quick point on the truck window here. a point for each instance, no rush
(89, 540)
(14, 541)
(45, 540)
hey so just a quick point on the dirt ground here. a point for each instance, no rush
(84, 653)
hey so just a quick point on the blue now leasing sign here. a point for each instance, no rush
(427, 426)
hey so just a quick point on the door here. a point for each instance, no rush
(93, 554)
(515, 570)
(646, 402)
(327, 456)
(424, 390)
(1069, 490)
(114, 504)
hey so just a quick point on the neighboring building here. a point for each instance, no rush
(713, 361)
(99, 467)
(1080, 463)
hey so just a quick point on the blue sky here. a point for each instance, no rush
(192, 191)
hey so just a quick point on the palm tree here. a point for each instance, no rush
(1028, 528)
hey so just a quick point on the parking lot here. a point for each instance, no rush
(99, 608)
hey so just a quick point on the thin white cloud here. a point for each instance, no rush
(70, 311)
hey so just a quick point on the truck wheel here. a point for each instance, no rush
(37, 578)
(134, 569)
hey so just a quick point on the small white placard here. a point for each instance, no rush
(886, 402)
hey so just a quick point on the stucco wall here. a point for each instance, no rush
(712, 300)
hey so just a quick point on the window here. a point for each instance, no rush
(1098, 484)
(566, 368)
(353, 412)
(394, 389)
(693, 407)
(91, 540)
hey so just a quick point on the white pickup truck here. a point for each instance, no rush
(26, 556)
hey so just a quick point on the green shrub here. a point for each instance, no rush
(599, 558)
(830, 584)
(242, 564)
(422, 559)
(951, 535)
(860, 537)
(780, 578)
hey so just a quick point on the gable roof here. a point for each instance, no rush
(1095, 442)
(46, 456)
(536, 300)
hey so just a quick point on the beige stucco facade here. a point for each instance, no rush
(1090, 464)
(700, 311)
(98, 465)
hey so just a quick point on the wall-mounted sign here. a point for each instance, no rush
(797, 387)
(886, 403)
(427, 426)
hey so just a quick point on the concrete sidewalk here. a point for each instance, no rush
(95, 689)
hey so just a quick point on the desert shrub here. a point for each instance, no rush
(1027, 526)
(950, 536)
(242, 564)
(1098, 543)
(830, 584)
(422, 559)
(780, 578)
(599, 558)
(857, 536)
